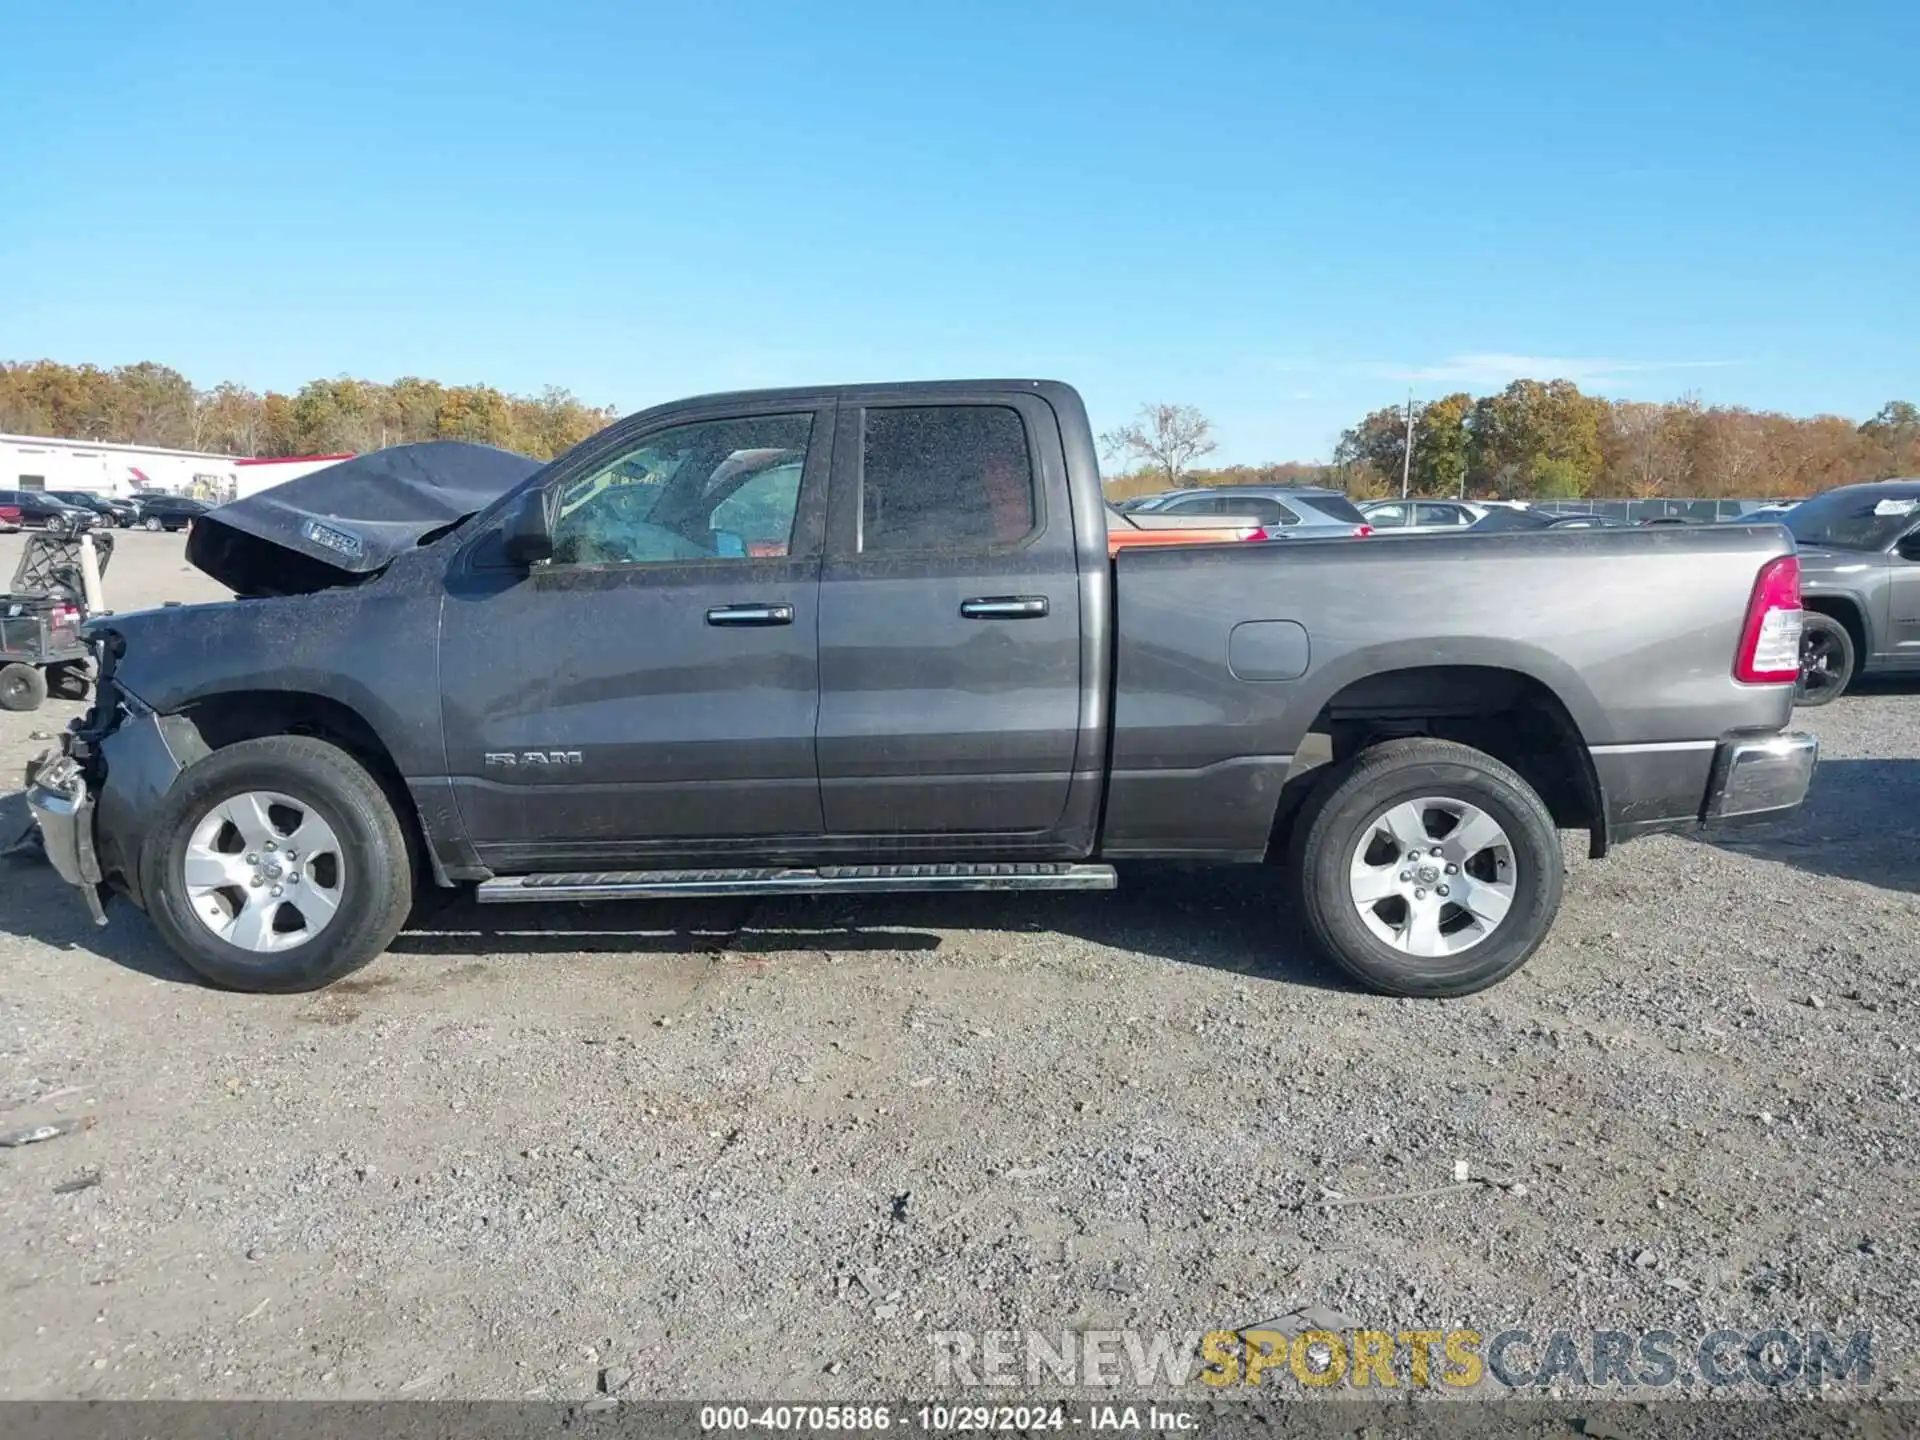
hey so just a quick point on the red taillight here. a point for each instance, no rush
(1360, 532)
(1770, 640)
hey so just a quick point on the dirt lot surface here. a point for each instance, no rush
(768, 1148)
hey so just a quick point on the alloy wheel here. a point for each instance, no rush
(1433, 876)
(263, 871)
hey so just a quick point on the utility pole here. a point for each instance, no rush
(1406, 459)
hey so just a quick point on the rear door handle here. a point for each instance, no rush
(1004, 607)
(750, 615)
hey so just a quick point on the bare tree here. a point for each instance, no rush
(1167, 438)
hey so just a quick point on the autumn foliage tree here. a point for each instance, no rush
(1543, 440)
(149, 404)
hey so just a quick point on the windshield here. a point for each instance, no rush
(1871, 518)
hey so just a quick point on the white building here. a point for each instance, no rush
(31, 462)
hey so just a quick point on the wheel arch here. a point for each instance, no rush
(1509, 714)
(230, 716)
(1851, 614)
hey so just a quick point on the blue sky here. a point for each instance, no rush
(1285, 215)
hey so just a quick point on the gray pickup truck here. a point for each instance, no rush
(891, 638)
(1860, 569)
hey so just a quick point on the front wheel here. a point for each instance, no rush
(1427, 868)
(277, 865)
(1826, 660)
(154, 524)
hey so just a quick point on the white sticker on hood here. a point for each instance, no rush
(336, 540)
(1896, 507)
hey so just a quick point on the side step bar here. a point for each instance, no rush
(821, 880)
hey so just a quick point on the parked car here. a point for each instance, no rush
(37, 507)
(1126, 530)
(1860, 556)
(1283, 511)
(9, 518)
(169, 512)
(1674, 520)
(1775, 513)
(1510, 518)
(1420, 517)
(110, 509)
(466, 666)
(1584, 522)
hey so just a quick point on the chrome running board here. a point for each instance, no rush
(822, 880)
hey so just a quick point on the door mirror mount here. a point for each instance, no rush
(528, 539)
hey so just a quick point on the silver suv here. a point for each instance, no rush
(1281, 510)
(1421, 517)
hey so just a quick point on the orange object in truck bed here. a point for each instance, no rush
(1118, 539)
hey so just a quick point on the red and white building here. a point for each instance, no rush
(31, 462)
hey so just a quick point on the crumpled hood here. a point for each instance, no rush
(340, 525)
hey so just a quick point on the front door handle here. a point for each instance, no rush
(1004, 607)
(750, 615)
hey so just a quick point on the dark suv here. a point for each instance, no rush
(110, 509)
(169, 512)
(36, 507)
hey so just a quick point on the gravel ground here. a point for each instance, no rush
(769, 1148)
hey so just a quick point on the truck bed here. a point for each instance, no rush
(1628, 636)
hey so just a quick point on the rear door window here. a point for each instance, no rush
(942, 477)
(1254, 507)
(1339, 508)
(1387, 517)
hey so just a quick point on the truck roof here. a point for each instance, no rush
(932, 389)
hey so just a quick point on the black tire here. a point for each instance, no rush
(153, 524)
(1827, 658)
(376, 885)
(1350, 799)
(22, 687)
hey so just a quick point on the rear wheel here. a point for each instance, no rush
(277, 865)
(154, 524)
(1427, 868)
(22, 687)
(1826, 660)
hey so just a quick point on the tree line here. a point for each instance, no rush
(1533, 440)
(1547, 440)
(149, 404)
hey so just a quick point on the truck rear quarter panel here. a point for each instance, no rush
(1633, 631)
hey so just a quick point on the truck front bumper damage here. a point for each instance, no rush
(1760, 776)
(62, 807)
(95, 798)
